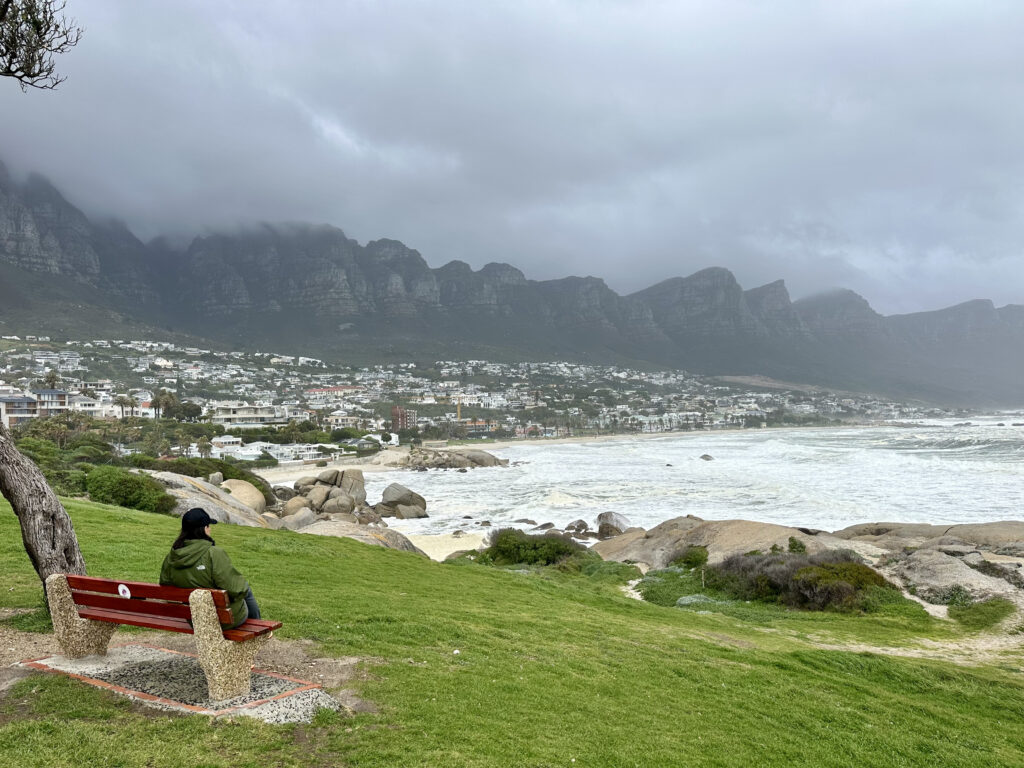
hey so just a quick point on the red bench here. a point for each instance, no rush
(86, 611)
(154, 607)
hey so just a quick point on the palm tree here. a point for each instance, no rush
(51, 379)
(204, 446)
(157, 403)
(123, 402)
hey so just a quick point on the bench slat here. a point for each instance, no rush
(150, 622)
(142, 607)
(250, 628)
(271, 625)
(142, 589)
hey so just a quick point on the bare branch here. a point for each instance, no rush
(32, 32)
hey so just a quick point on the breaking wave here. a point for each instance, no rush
(821, 478)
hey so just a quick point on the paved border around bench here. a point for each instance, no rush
(276, 698)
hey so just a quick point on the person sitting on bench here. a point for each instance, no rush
(196, 562)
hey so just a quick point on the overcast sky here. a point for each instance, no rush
(877, 146)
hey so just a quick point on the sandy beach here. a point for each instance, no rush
(438, 546)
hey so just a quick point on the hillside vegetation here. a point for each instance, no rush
(553, 668)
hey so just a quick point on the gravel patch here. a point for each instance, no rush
(174, 681)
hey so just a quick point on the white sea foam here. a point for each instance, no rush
(822, 478)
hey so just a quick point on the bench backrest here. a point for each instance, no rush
(139, 603)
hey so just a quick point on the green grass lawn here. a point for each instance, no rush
(553, 670)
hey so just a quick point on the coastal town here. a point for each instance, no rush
(438, 400)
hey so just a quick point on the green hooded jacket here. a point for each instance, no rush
(200, 564)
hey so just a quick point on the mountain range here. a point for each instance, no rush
(312, 290)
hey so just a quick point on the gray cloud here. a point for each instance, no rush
(871, 145)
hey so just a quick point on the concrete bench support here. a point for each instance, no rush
(227, 664)
(77, 637)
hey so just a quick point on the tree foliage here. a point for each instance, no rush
(31, 33)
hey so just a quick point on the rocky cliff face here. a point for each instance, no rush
(42, 232)
(314, 288)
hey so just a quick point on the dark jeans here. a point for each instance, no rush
(250, 603)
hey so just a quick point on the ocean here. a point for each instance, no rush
(825, 478)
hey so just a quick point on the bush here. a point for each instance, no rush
(113, 485)
(982, 615)
(510, 546)
(834, 579)
(691, 557)
(796, 546)
(955, 595)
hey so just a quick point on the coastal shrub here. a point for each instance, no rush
(509, 546)
(796, 546)
(982, 615)
(666, 586)
(690, 557)
(114, 485)
(141, 460)
(827, 580)
(955, 595)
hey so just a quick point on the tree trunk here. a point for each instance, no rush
(46, 528)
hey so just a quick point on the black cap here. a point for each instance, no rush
(196, 518)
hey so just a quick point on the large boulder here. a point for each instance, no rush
(367, 534)
(272, 520)
(300, 519)
(317, 495)
(191, 492)
(409, 512)
(340, 504)
(653, 548)
(478, 458)
(247, 493)
(611, 524)
(351, 481)
(329, 476)
(292, 506)
(303, 484)
(284, 493)
(396, 494)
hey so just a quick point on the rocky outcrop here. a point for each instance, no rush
(429, 458)
(657, 547)
(330, 495)
(938, 577)
(194, 492)
(893, 536)
(378, 537)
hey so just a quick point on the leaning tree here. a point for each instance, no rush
(46, 529)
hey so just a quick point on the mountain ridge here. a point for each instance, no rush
(314, 288)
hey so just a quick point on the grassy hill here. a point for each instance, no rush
(553, 669)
